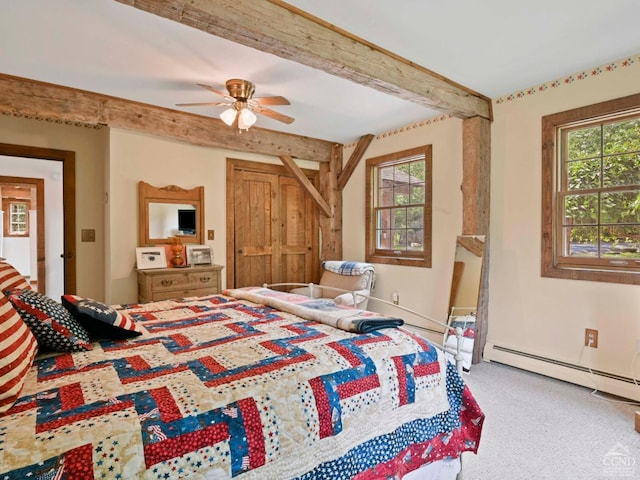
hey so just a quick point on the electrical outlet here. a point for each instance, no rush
(590, 338)
(210, 234)
(395, 297)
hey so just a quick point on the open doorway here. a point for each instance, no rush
(22, 231)
(54, 201)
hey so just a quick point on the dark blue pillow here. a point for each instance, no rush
(100, 320)
(52, 325)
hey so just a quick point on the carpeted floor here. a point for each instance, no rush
(545, 429)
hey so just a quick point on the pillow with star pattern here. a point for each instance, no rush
(51, 323)
(100, 320)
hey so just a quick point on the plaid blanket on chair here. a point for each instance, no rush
(347, 268)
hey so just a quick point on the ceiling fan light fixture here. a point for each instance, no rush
(246, 118)
(228, 116)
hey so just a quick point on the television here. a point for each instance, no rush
(187, 222)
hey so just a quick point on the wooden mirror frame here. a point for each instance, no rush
(170, 194)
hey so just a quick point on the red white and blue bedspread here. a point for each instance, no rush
(218, 387)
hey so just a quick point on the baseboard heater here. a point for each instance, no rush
(573, 366)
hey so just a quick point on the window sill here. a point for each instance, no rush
(591, 274)
(404, 261)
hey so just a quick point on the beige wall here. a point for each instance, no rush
(89, 146)
(536, 316)
(161, 162)
(425, 290)
(544, 316)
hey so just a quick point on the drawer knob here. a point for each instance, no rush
(205, 279)
(166, 283)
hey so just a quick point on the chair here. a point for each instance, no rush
(357, 277)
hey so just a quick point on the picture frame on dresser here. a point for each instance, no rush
(150, 258)
(199, 255)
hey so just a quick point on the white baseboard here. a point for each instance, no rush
(573, 373)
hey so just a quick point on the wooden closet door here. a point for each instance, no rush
(299, 228)
(255, 238)
(273, 225)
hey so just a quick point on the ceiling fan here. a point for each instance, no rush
(242, 105)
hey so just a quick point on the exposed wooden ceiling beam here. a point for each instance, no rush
(32, 99)
(279, 28)
(354, 159)
(302, 179)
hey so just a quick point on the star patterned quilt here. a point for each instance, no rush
(218, 387)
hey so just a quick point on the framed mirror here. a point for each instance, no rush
(464, 297)
(171, 211)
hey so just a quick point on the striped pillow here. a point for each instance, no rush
(18, 346)
(10, 278)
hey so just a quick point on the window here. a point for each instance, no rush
(16, 217)
(591, 192)
(399, 208)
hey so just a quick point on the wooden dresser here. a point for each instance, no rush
(166, 283)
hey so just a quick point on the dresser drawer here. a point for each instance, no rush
(168, 283)
(186, 280)
(169, 294)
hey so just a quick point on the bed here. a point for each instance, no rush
(227, 386)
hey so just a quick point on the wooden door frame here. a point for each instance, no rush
(233, 166)
(68, 159)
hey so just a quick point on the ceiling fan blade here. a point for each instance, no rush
(211, 89)
(273, 114)
(200, 104)
(272, 100)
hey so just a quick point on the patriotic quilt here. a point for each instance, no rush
(218, 387)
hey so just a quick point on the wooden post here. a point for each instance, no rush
(331, 227)
(476, 183)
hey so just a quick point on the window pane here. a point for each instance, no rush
(384, 218)
(581, 209)
(621, 170)
(401, 194)
(417, 172)
(401, 174)
(415, 217)
(583, 174)
(385, 197)
(417, 193)
(399, 239)
(385, 176)
(399, 218)
(383, 241)
(620, 207)
(584, 143)
(580, 241)
(622, 137)
(414, 239)
(623, 242)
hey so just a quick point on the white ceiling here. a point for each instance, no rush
(494, 47)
